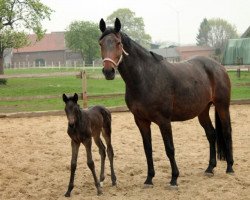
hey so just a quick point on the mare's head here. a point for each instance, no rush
(111, 48)
(71, 108)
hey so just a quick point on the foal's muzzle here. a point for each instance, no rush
(109, 73)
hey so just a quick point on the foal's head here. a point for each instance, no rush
(111, 48)
(71, 108)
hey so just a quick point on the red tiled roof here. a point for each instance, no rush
(50, 42)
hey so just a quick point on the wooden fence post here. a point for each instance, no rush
(238, 72)
(84, 89)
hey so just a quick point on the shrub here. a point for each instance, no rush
(3, 81)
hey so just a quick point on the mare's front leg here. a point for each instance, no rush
(166, 132)
(91, 164)
(75, 150)
(144, 127)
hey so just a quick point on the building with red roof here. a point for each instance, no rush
(51, 50)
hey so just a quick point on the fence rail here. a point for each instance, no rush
(92, 96)
(45, 75)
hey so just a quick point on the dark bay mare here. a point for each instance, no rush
(82, 126)
(160, 92)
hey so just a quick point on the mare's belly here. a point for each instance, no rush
(188, 108)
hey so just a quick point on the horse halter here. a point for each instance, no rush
(119, 61)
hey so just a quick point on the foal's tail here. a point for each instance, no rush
(106, 119)
(221, 143)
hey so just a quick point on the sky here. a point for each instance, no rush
(161, 17)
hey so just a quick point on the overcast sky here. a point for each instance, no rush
(160, 16)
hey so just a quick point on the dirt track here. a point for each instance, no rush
(35, 161)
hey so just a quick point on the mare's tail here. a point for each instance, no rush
(221, 143)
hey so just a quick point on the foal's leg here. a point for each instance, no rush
(102, 153)
(75, 149)
(206, 123)
(166, 132)
(107, 136)
(91, 165)
(144, 127)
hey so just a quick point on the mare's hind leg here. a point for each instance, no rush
(107, 136)
(206, 123)
(91, 165)
(75, 150)
(102, 153)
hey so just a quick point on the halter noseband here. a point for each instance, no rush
(118, 62)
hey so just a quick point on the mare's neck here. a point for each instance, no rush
(138, 66)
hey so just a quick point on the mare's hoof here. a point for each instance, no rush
(230, 170)
(230, 173)
(172, 187)
(145, 186)
(209, 174)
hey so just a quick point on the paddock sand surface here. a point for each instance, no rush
(35, 161)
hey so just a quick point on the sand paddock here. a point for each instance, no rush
(35, 161)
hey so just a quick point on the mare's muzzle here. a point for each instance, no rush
(109, 72)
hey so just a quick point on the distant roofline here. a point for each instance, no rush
(54, 41)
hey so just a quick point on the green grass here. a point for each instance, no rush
(96, 84)
(240, 86)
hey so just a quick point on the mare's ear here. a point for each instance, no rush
(117, 25)
(65, 98)
(102, 25)
(75, 97)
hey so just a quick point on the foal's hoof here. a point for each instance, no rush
(99, 192)
(67, 194)
(114, 184)
(146, 186)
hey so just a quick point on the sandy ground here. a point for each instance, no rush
(35, 161)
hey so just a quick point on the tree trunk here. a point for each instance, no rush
(1, 64)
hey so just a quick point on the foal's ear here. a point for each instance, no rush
(102, 25)
(117, 25)
(75, 97)
(65, 98)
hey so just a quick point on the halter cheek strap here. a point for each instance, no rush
(119, 61)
